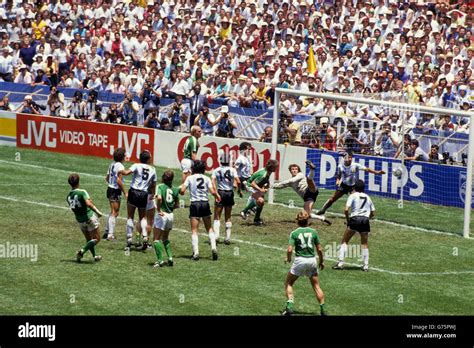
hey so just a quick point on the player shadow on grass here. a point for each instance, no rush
(88, 262)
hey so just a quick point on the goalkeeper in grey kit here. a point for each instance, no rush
(305, 187)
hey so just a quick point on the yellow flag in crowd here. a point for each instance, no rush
(311, 62)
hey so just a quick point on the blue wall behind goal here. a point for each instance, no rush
(424, 182)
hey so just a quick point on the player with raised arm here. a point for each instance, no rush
(305, 187)
(243, 165)
(224, 179)
(191, 147)
(258, 185)
(143, 183)
(305, 242)
(81, 204)
(167, 198)
(199, 187)
(345, 179)
(114, 191)
(359, 209)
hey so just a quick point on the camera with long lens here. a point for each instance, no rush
(37, 106)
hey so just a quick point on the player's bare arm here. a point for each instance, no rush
(93, 207)
(378, 172)
(319, 250)
(289, 253)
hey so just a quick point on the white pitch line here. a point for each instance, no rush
(418, 229)
(13, 199)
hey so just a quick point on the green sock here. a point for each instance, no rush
(167, 245)
(258, 212)
(90, 245)
(249, 206)
(323, 308)
(92, 249)
(158, 250)
(289, 304)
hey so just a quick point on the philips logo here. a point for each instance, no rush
(37, 331)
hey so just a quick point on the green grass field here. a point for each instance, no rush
(414, 272)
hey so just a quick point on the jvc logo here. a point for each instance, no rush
(37, 331)
(129, 144)
(47, 130)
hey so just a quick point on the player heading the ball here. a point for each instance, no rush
(346, 177)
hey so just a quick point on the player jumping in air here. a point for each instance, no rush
(258, 185)
(224, 179)
(345, 180)
(305, 242)
(243, 166)
(167, 198)
(361, 210)
(81, 204)
(114, 191)
(199, 186)
(143, 183)
(305, 187)
(191, 147)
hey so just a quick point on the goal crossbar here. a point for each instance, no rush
(386, 104)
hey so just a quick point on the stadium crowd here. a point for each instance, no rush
(234, 53)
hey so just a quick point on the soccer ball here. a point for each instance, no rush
(397, 172)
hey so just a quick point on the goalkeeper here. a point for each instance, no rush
(305, 187)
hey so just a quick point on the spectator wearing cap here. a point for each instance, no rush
(6, 65)
(24, 75)
(225, 123)
(28, 106)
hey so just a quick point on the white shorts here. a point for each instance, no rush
(186, 165)
(150, 203)
(90, 225)
(164, 223)
(304, 266)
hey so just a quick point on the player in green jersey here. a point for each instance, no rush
(305, 242)
(81, 204)
(258, 184)
(191, 147)
(167, 199)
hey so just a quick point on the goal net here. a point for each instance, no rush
(425, 153)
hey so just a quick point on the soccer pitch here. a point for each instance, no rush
(413, 271)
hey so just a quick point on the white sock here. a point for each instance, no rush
(365, 256)
(111, 224)
(318, 217)
(311, 174)
(217, 226)
(195, 243)
(129, 228)
(107, 228)
(342, 252)
(212, 237)
(143, 225)
(228, 230)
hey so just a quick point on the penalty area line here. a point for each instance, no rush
(414, 228)
(260, 245)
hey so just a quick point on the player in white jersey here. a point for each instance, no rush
(199, 187)
(305, 187)
(345, 179)
(361, 210)
(224, 179)
(114, 191)
(143, 183)
(243, 165)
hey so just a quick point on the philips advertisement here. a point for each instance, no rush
(421, 181)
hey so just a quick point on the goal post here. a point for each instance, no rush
(399, 107)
